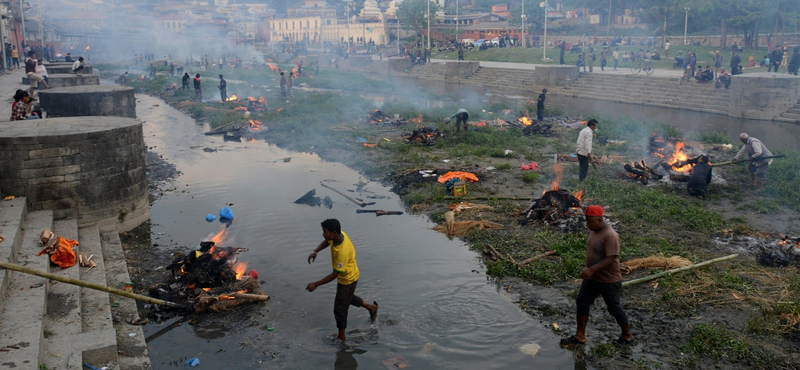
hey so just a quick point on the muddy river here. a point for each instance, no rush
(438, 308)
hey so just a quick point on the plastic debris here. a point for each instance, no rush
(270, 328)
(533, 166)
(531, 349)
(226, 213)
(508, 151)
(555, 327)
(86, 365)
(210, 217)
(192, 362)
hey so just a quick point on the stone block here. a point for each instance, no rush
(89, 101)
(460, 69)
(559, 75)
(763, 95)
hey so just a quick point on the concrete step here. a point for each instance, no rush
(12, 213)
(133, 353)
(24, 304)
(96, 305)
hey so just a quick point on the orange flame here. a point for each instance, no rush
(255, 125)
(578, 194)
(218, 239)
(232, 98)
(273, 67)
(679, 156)
(526, 121)
(240, 268)
(240, 108)
(557, 170)
(87, 48)
(279, 110)
(206, 289)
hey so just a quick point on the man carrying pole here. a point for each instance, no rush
(755, 149)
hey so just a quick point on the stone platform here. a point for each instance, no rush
(65, 68)
(64, 80)
(88, 168)
(89, 100)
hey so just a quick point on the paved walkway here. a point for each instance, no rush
(9, 83)
(658, 72)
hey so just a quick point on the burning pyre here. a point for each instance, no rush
(674, 161)
(378, 117)
(210, 278)
(558, 207)
(424, 135)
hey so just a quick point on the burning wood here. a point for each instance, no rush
(424, 135)
(639, 171)
(558, 206)
(274, 68)
(378, 117)
(256, 105)
(232, 98)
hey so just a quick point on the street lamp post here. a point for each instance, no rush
(429, 25)
(522, 27)
(458, 39)
(608, 32)
(686, 25)
(544, 45)
(22, 16)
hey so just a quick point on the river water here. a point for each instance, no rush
(438, 308)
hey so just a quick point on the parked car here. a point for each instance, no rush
(495, 42)
(478, 43)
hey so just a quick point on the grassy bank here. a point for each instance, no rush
(659, 219)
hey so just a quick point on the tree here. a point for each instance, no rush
(412, 14)
(663, 9)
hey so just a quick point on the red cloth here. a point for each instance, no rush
(533, 166)
(64, 255)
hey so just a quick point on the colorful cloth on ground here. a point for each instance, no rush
(64, 256)
(464, 176)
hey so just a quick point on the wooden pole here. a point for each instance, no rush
(538, 257)
(255, 297)
(747, 160)
(86, 284)
(488, 197)
(679, 269)
(354, 200)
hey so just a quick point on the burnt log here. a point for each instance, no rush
(552, 205)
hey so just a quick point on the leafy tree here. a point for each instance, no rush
(412, 14)
(664, 10)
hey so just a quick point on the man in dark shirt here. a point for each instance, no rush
(185, 81)
(198, 92)
(601, 277)
(776, 58)
(794, 63)
(701, 177)
(223, 88)
(735, 60)
(540, 105)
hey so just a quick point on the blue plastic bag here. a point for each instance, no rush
(226, 212)
(210, 217)
(192, 362)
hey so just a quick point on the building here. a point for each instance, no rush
(501, 10)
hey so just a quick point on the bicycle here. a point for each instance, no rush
(647, 68)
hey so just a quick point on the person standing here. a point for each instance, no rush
(562, 46)
(591, 61)
(755, 149)
(603, 60)
(198, 91)
(794, 65)
(666, 50)
(717, 62)
(345, 271)
(585, 148)
(735, 60)
(290, 84)
(15, 56)
(540, 105)
(30, 71)
(601, 277)
(460, 53)
(185, 81)
(223, 89)
(283, 85)
(776, 58)
(616, 58)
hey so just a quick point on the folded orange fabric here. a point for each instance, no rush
(463, 176)
(64, 255)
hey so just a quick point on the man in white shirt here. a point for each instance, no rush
(77, 67)
(585, 147)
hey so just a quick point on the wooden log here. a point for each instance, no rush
(254, 297)
(679, 269)
(488, 197)
(90, 285)
(354, 200)
(537, 257)
(746, 160)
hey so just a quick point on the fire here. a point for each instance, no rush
(578, 194)
(255, 125)
(206, 290)
(240, 268)
(260, 99)
(87, 48)
(294, 71)
(240, 108)
(232, 98)
(679, 156)
(218, 239)
(557, 170)
(273, 67)
(279, 110)
(525, 121)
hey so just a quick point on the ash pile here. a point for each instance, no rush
(769, 251)
(380, 118)
(423, 135)
(558, 208)
(208, 279)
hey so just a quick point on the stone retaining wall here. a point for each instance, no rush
(66, 69)
(65, 80)
(89, 168)
(763, 95)
(89, 100)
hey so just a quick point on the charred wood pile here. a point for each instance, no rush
(209, 279)
(379, 118)
(641, 172)
(533, 127)
(424, 135)
(558, 208)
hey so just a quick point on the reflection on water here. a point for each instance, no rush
(436, 311)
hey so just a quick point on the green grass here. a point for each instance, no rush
(716, 342)
(713, 137)
(604, 350)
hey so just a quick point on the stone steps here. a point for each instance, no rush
(12, 213)
(133, 353)
(24, 304)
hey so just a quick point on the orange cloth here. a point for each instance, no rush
(64, 255)
(463, 176)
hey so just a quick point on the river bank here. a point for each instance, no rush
(695, 314)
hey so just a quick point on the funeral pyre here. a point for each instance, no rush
(558, 207)
(210, 278)
(675, 162)
(423, 135)
(768, 250)
(379, 118)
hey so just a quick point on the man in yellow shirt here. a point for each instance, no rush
(345, 269)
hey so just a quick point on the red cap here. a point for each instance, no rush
(594, 210)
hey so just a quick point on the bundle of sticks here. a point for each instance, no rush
(640, 171)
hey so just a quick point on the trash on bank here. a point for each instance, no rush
(210, 217)
(192, 362)
(463, 176)
(226, 213)
(533, 166)
(530, 349)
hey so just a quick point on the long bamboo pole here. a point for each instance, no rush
(747, 160)
(90, 285)
(354, 200)
(684, 268)
(488, 197)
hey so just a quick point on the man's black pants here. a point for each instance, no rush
(540, 113)
(345, 297)
(584, 166)
(591, 289)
